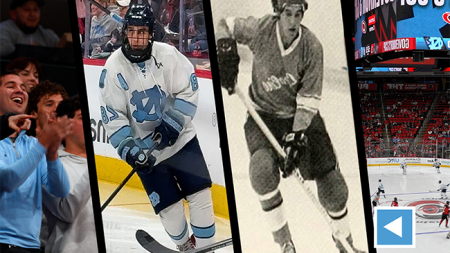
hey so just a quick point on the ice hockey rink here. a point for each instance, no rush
(414, 189)
(309, 229)
(131, 210)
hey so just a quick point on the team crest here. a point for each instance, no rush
(154, 198)
(155, 101)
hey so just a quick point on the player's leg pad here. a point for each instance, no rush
(202, 217)
(332, 190)
(264, 172)
(174, 222)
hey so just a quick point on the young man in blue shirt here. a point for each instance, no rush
(27, 164)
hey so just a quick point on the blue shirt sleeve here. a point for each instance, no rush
(12, 176)
(55, 179)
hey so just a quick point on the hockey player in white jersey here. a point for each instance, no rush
(437, 165)
(149, 91)
(381, 188)
(403, 166)
(443, 189)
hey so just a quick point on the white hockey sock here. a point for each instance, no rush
(341, 226)
(272, 206)
(174, 222)
(202, 217)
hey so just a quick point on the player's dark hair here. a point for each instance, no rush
(44, 89)
(69, 107)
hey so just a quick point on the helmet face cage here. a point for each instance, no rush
(138, 28)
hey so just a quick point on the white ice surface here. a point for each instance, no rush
(415, 186)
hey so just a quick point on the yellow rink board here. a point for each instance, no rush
(115, 170)
(408, 164)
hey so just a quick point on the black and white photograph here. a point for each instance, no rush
(290, 126)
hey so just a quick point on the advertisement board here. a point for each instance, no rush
(389, 26)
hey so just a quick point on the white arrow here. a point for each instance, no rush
(395, 226)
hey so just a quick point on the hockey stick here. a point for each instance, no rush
(280, 151)
(125, 181)
(101, 7)
(151, 245)
(117, 190)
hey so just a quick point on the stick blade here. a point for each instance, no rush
(150, 244)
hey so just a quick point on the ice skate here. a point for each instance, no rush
(188, 245)
(288, 247)
(341, 248)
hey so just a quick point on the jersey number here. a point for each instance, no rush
(155, 101)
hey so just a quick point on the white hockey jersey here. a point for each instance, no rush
(403, 164)
(134, 96)
(381, 187)
(436, 164)
(442, 187)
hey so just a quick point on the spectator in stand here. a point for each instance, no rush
(197, 28)
(23, 27)
(81, 14)
(23, 176)
(71, 219)
(114, 43)
(123, 5)
(28, 69)
(102, 26)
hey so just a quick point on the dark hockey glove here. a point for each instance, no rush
(130, 152)
(171, 125)
(228, 59)
(295, 147)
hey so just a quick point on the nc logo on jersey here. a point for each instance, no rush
(395, 227)
(155, 101)
(194, 82)
(154, 198)
(428, 209)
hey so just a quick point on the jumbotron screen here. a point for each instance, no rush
(399, 25)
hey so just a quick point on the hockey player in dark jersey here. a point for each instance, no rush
(445, 214)
(395, 202)
(286, 90)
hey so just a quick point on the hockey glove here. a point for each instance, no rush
(228, 60)
(295, 147)
(171, 125)
(130, 152)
